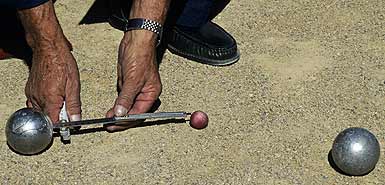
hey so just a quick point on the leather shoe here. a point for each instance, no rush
(210, 45)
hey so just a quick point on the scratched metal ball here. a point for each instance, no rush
(28, 131)
(355, 151)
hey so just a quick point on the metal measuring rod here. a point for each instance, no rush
(65, 125)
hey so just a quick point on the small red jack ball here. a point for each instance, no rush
(199, 120)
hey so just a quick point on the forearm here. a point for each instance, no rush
(155, 10)
(41, 26)
(144, 40)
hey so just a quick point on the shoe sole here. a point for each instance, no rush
(204, 60)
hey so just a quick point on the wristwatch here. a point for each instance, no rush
(137, 24)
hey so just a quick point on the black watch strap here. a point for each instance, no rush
(137, 24)
(145, 24)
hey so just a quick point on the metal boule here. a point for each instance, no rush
(28, 131)
(356, 151)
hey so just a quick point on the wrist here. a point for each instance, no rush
(42, 43)
(41, 27)
(55, 53)
(138, 46)
(142, 38)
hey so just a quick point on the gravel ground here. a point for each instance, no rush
(308, 70)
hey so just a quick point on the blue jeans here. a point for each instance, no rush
(195, 14)
(21, 4)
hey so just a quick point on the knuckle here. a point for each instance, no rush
(73, 106)
(124, 98)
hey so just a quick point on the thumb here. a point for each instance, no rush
(73, 109)
(72, 97)
(122, 104)
(53, 110)
(125, 99)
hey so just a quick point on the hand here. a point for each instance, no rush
(54, 78)
(139, 84)
(54, 75)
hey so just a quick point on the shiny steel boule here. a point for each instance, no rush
(355, 151)
(28, 131)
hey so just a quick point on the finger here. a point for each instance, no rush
(53, 111)
(68, 43)
(147, 97)
(122, 103)
(110, 113)
(73, 108)
(145, 101)
(29, 103)
(27, 91)
(141, 106)
(125, 99)
(120, 77)
(34, 104)
(109, 127)
(72, 98)
(115, 128)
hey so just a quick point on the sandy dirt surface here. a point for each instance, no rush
(308, 70)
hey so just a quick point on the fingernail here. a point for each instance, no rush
(76, 117)
(120, 110)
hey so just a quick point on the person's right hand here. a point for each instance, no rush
(139, 83)
(54, 78)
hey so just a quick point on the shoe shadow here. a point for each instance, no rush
(99, 12)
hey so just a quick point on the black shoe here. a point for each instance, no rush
(210, 45)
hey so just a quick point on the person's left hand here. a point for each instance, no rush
(139, 84)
